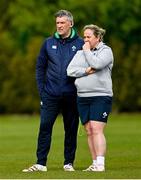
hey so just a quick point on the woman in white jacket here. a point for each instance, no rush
(92, 67)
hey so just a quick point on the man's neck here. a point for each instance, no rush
(66, 35)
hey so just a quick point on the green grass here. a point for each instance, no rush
(18, 140)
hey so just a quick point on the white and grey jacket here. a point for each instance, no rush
(99, 83)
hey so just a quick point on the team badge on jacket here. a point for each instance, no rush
(54, 47)
(73, 48)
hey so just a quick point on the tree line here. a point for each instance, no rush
(25, 24)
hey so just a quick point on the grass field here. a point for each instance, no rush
(18, 136)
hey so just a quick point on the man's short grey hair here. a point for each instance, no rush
(66, 13)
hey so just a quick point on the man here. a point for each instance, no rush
(57, 90)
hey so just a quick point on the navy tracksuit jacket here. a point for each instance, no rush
(58, 93)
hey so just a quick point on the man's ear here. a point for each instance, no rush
(72, 24)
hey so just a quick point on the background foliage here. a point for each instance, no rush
(25, 24)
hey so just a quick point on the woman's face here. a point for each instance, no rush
(90, 37)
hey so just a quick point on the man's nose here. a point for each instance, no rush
(58, 25)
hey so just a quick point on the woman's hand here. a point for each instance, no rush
(86, 46)
(90, 70)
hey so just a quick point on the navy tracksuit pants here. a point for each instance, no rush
(51, 106)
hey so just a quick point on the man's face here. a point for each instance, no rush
(63, 26)
(90, 37)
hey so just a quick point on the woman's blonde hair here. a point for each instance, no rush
(97, 31)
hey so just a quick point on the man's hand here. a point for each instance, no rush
(90, 70)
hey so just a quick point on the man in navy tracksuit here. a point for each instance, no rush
(57, 90)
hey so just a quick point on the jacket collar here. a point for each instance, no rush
(73, 35)
(99, 45)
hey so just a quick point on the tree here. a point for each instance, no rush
(24, 25)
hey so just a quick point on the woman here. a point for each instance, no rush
(92, 67)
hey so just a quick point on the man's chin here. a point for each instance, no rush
(60, 33)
